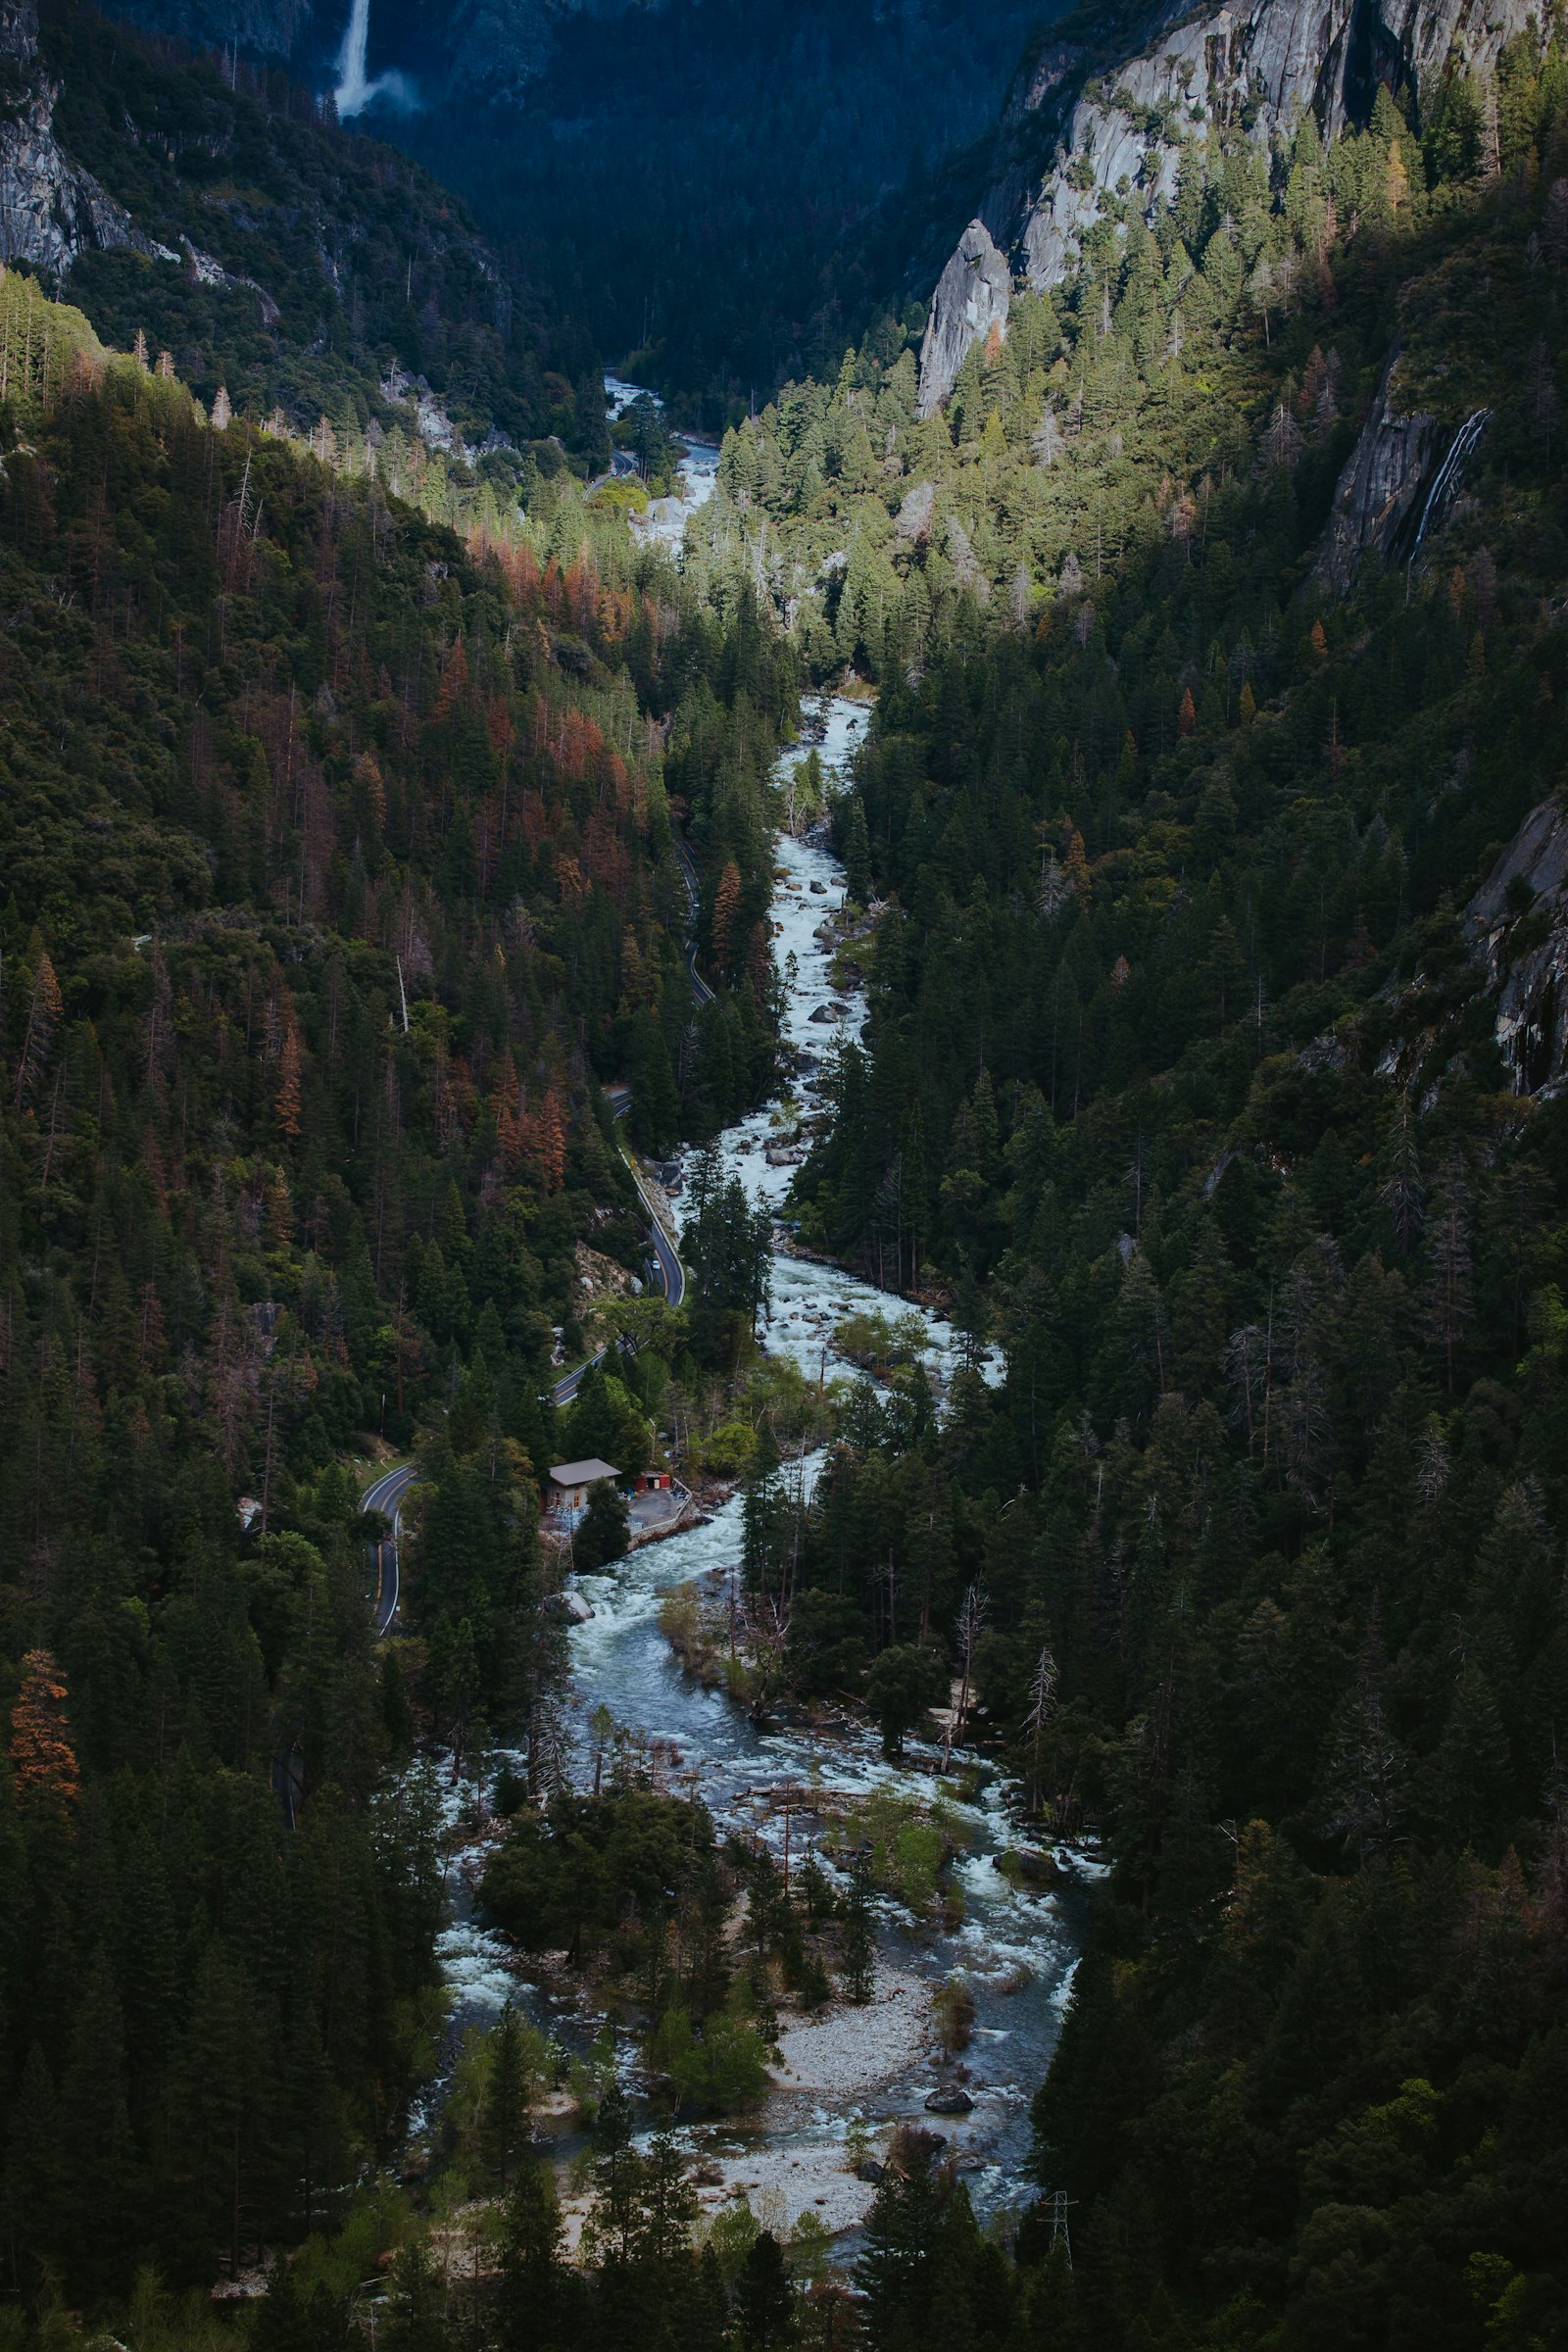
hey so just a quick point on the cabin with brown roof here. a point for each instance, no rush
(570, 1483)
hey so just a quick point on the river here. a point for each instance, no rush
(1017, 1946)
(1014, 1946)
(697, 474)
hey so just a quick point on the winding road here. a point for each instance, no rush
(385, 1493)
(701, 991)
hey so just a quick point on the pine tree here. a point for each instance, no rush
(765, 1514)
(860, 1933)
(33, 2176)
(766, 2317)
(504, 2116)
(857, 854)
(911, 2270)
(415, 2310)
(532, 2301)
(726, 911)
(100, 2178)
(289, 1081)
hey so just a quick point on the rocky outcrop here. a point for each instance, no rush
(1276, 58)
(973, 296)
(1517, 924)
(1397, 484)
(1084, 124)
(1379, 498)
(50, 209)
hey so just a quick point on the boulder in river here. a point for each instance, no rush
(569, 1605)
(948, 2102)
(1037, 1869)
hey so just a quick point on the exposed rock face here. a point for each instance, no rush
(49, 210)
(1397, 484)
(1526, 953)
(1278, 58)
(1378, 501)
(973, 296)
(1094, 116)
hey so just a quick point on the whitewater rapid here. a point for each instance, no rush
(696, 475)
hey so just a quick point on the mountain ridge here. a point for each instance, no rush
(1099, 127)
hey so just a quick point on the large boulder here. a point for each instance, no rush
(570, 1607)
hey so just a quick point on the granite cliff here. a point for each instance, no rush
(51, 209)
(1517, 924)
(1100, 115)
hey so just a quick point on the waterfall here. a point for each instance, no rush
(354, 92)
(1445, 482)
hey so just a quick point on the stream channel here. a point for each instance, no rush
(1017, 1945)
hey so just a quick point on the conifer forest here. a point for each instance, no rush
(783, 1177)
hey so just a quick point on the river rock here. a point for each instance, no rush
(1034, 1867)
(571, 1606)
(948, 2102)
(871, 2172)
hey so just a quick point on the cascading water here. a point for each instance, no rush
(354, 93)
(1445, 482)
(1017, 1946)
(354, 90)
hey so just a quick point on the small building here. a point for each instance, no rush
(570, 1483)
(653, 1482)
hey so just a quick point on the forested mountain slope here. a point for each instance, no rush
(337, 871)
(1216, 623)
(220, 212)
(1204, 551)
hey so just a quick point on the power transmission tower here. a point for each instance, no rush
(1060, 2235)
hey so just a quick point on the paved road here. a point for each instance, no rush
(385, 1493)
(688, 871)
